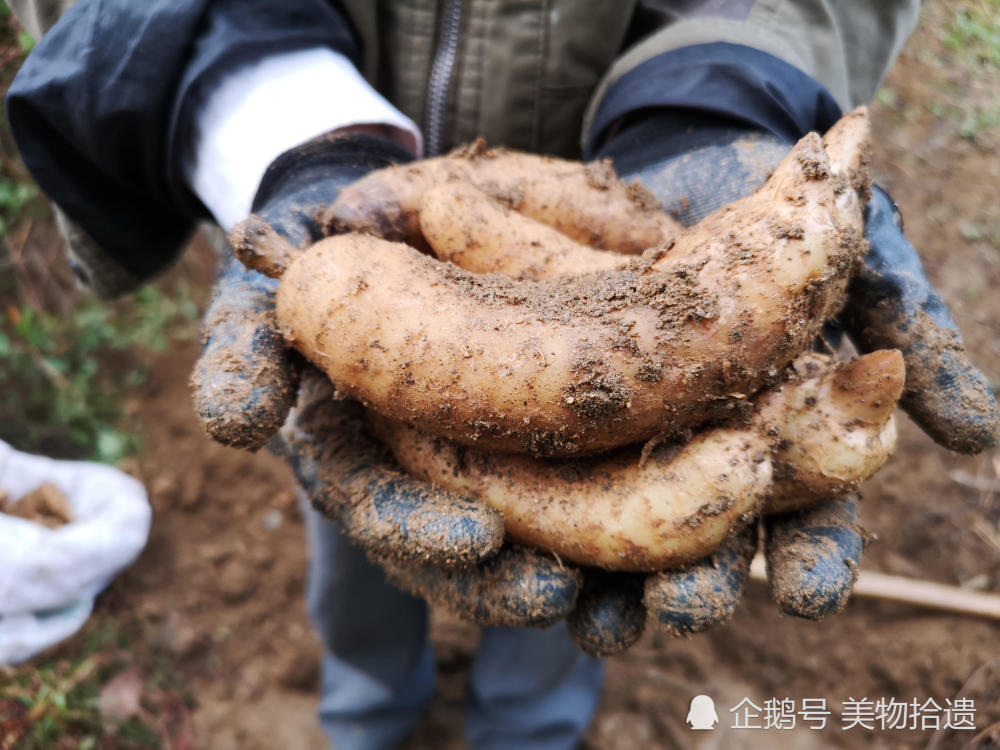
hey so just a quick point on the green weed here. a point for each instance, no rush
(25, 41)
(887, 97)
(56, 700)
(14, 194)
(975, 32)
(64, 378)
(979, 121)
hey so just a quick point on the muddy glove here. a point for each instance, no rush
(694, 163)
(246, 381)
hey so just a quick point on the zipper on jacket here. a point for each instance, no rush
(439, 81)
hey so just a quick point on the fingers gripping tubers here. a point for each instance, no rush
(572, 366)
(583, 351)
(825, 431)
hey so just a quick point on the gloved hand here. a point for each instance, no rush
(891, 303)
(246, 381)
(694, 167)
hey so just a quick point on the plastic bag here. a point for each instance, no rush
(49, 577)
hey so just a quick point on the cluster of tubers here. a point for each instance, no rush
(537, 334)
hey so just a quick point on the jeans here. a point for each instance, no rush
(528, 689)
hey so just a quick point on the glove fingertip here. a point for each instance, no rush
(399, 517)
(813, 558)
(609, 616)
(960, 411)
(349, 478)
(244, 383)
(702, 595)
(517, 588)
(243, 395)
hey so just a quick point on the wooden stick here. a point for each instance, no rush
(912, 591)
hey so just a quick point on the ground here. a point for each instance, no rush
(219, 587)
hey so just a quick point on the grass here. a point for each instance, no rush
(972, 38)
(963, 64)
(15, 194)
(65, 377)
(978, 121)
(111, 686)
(67, 360)
(975, 33)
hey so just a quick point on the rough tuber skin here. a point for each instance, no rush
(834, 424)
(492, 238)
(612, 511)
(480, 233)
(586, 202)
(581, 365)
(828, 429)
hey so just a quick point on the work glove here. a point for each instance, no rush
(693, 165)
(246, 381)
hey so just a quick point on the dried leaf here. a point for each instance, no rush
(120, 698)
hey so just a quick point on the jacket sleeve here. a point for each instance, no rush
(784, 67)
(102, 105)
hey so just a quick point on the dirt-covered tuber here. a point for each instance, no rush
(578, 365)
(823, 431)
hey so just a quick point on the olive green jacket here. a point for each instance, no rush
(529, 74)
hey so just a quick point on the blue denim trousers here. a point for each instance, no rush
(528, 689)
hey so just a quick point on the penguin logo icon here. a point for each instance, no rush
(702, 714)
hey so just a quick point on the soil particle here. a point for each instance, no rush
(260, 248)
(237, 580)
(596, 394)
(814, 169)
(640, 195)
(510, 196)
(600, 175)
(298, 670)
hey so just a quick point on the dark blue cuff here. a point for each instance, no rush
(308, 178)
(729, 83)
